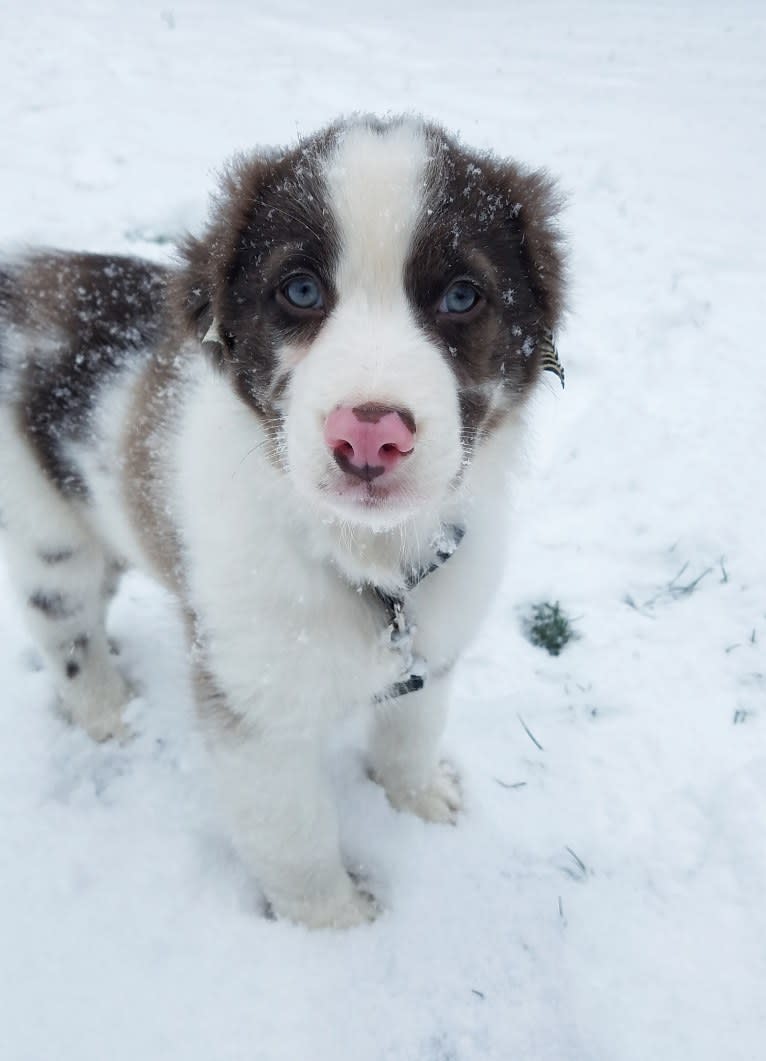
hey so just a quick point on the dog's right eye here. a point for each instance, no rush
(303, 292)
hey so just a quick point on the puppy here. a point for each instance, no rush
(303, 430)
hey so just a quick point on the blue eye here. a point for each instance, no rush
(460, 297)
(303, 292)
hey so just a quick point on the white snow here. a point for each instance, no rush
(127, 928)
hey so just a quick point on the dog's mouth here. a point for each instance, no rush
(366, 493)
(367, 500)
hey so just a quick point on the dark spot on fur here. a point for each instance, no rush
(54, 606)
(76, 649)
(55, 556)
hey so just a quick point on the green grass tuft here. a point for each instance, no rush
(548, 627)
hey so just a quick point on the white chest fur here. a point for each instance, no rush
(282, 618)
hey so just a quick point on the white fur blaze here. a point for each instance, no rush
(371, 349)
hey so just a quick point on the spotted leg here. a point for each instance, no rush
(63, 579)
(62, 583)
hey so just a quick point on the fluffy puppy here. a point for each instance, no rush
(304, 431)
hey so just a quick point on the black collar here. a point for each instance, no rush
(400, 627)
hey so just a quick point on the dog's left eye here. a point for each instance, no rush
(459, 298)
(303, 292)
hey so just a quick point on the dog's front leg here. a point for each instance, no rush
(280, 813)
(404, 753)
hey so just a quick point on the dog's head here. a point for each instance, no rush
(378, 296)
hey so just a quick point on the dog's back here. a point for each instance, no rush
(70, 323)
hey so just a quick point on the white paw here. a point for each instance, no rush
(106, 725)
(101, 725)
(351, 906)
(102, 716)
(440, 800)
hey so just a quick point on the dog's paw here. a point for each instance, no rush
(102, 716)
(353, 905)
(109, 725)
(101, 725)
(441, 800)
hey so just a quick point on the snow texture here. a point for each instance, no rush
(602, 898)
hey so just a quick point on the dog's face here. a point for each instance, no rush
(377, 296)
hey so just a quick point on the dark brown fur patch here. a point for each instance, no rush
(271, 221)
(84, 316)
(494, 224)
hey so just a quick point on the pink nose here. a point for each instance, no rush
(370, 439)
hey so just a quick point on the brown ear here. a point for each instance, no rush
(205, 260)
(193, 288)
(537, 210)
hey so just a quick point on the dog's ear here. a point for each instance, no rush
(194, 288)
(534, 205)
(537, 203)
(205, 261)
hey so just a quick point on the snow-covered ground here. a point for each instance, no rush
(603, 896)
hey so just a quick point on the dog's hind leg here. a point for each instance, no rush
(63, 578)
